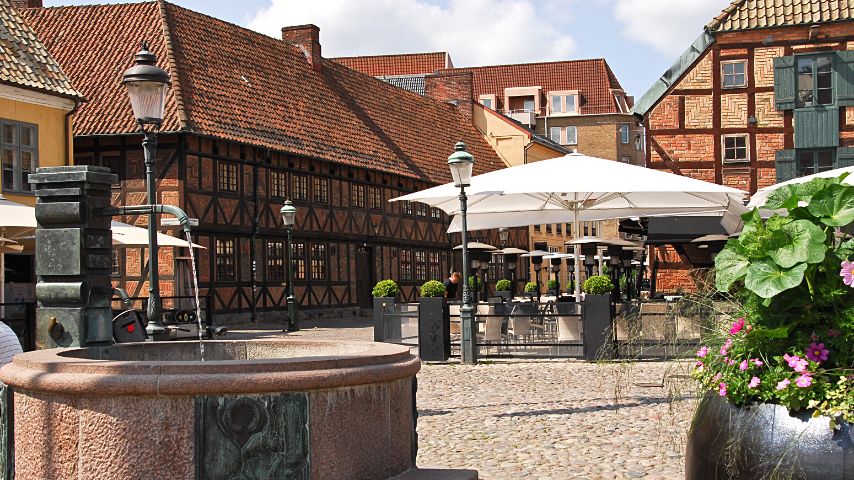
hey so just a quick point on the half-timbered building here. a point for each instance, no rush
(251, 121)
(765, 94)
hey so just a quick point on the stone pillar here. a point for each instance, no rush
(73, 256)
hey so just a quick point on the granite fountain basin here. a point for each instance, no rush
(257, 409)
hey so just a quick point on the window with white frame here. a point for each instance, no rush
(735, 148)
(563, 102)
(555, 133)
(488, 101)
(625, 132)
(733, 73)
(571, 135)
(19, 154)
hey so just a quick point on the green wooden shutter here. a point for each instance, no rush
(817, 127)
(845, 78)
(784, 82)
(844, 157)
(787, 168)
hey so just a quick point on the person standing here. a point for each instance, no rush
(451, 283)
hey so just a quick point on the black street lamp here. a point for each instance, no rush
(461, 163)
(289, 215)
(146, 85)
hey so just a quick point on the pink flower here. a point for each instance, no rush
(754, 382)
(817, 353)
(725, 347)
(781, 385)
(717, 377)
(847, 273)
(795, 362)
(743, 365)
(729, 361)
(833, 333)
(722, 389)
(699, 366)
(703, 351)
(804, 381)
(737, 326)
(758, 362)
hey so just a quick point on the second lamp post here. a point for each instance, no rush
(289, 215)
(461, 163)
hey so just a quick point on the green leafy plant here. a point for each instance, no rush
(433, 288)
(503, 285)
(792, 275)
(598, 285)
(474, 282)
(552, 284)
(385, 288)
(531, 287)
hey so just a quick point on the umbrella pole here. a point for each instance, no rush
(3, 285)
(577, 251)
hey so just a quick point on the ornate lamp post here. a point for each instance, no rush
(461, 163)
(289, 215)
(146, 85)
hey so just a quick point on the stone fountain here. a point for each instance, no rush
(257, 409)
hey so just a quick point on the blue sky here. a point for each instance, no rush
(638, 38)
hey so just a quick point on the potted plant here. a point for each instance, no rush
(552, 287)
(596, 317)
(502, 289)
(531, 288)
(384, 293)
(434, 323)
(780, 377)
(475, 284)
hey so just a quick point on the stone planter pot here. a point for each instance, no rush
(596, 318)
(504, 294)
(765, 441)
(434, 329)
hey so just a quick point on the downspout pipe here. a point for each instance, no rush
(68, 131)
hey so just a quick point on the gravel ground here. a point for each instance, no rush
(541, 419)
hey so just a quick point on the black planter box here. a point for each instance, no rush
(505, 295)
(596, 318)
(434, 329)
(383, 329)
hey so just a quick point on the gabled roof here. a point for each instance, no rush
(236, 84)
(751, 14)
(413, 83)
(399, 64)
(24, 61)
(592, 78)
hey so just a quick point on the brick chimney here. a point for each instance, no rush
(452, 87)
(307, 38)
(22, 4)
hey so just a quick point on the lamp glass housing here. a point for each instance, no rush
(289, 214)
(148, 100)
(503, 234)
(511, 265)
(461, 163)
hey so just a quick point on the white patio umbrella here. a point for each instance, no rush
(129, 236)
(761, 196)
(576, 188)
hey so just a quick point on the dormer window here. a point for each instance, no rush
(563, 103)
(488, 101)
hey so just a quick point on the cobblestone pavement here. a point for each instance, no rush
(542, 419)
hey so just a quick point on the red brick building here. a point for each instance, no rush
(251, 121)
(765, 94)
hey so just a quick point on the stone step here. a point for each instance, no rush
(437, 474)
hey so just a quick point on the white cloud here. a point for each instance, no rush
(668, 26)
(474, 32)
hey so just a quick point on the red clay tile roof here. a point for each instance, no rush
(236, 84)
(403, 64)
(749, 14)
(592, 78)
(24, 61)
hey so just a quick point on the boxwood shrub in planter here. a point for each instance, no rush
(596, 317)
(434, 323)
(502, 289)
(552, 286)
(384, 293)
(531, 287)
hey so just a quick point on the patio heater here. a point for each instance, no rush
(554, 267)
(475, 268)
(590, 252)
(289, 215)
(626, 257)
(146, 85)
(615, 266)
(461, 163)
